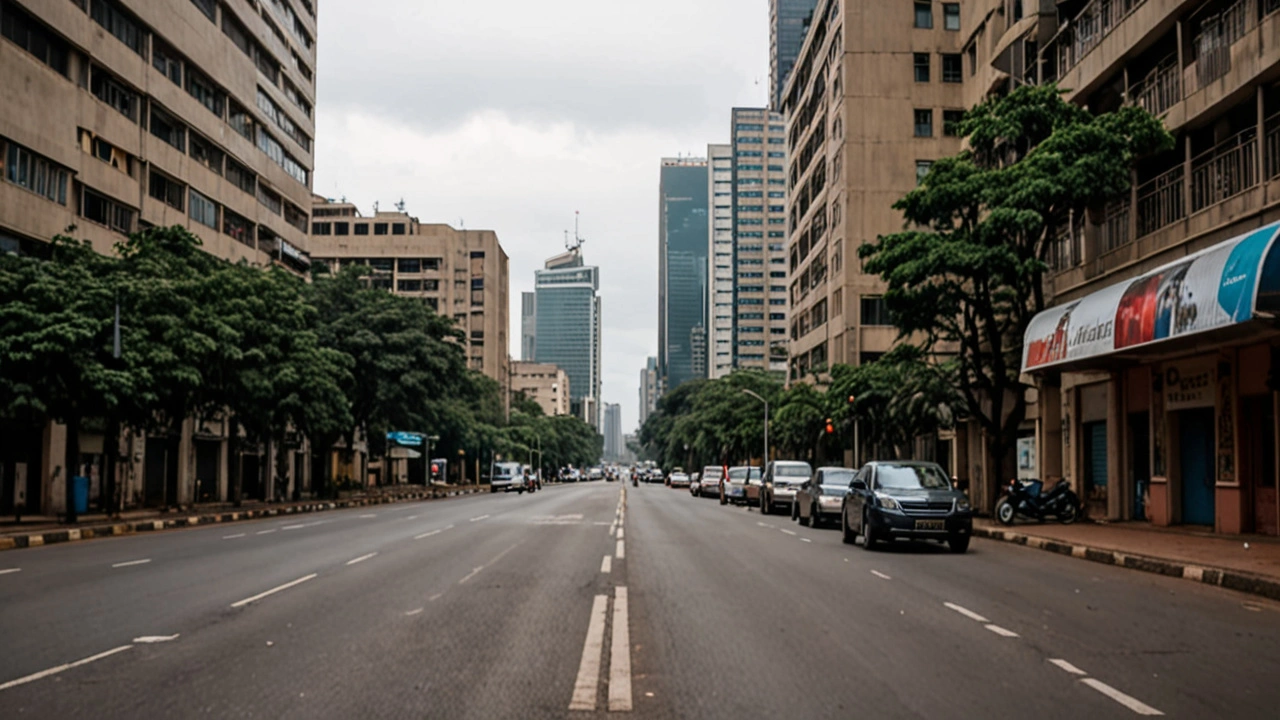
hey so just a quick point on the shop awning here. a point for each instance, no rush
(1229, 283)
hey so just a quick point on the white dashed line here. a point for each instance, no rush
(1068, 666)
(272, 591)
(606, 565)
(966, 612)
(619, 533)
(427, 534)
(6, 571)
(470, 575)
(788, 532)
(478, 519)
(880, 575)
(414, 611)
(620, 655)
(367, 516)
(151, 639)
(265, 532)
(293, 527)
(1002, 632)
(588, 681)
(620, 551)
(435, 597)
(60, 668)
(1132, 703)
(233, 537)
(131, 562)
(805, 540)
(362, 558)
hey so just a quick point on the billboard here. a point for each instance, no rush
(1214, 288)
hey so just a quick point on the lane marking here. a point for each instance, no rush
(1132, 703)
(292, 527)
(131, 562)
(414, 612)
(362, 558)
(471, 574)
(1067, 666)
(620, 655)
(1002, 632)
(265, 532)
(233, 537)
(478, 519)
(619, 533)
(586, 685)
(156, 638)
(6, 571)
(880, 575)
(788, 532)
(763, 524)
(427, 534)
(966, 612)
(435, 597)
(273, 591)
(805, 540)
(620, 551)
(368, 515)
(60, 668)
(606, 565)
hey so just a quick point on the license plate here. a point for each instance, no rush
(931, 524)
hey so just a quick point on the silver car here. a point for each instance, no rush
(781, 480)
(736, 485)
(819, 499)
(679, 480)
(709, 481)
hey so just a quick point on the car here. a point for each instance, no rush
(736, 482)
(709, 481)
(905, 499)
(781, 479)
(695, 482)
(819, 498)
(595, 473)
(678, 480)
(506, 476)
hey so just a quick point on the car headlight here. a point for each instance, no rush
(962, 506)
(887, 502)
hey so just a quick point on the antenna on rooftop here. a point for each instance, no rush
(400, 205)
(576, 242)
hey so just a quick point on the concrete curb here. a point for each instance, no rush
(1239, 580)
(50, 537)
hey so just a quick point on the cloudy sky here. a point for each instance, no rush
(510, 115)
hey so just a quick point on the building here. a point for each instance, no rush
(528, 325)
(788, 24)
(648, 389)
(682, 271)
(760, 240)
(461, 274)
(613, 447)
(117, 115)
(544, 383)
(720, 261)
(568, 328)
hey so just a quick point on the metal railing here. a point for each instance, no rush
(1066, 245)
(1083, 33)
(1229, 168)
(1160, 89)
(1161, 201)
(1271, 146)
(1215, 36)
(1115, 225)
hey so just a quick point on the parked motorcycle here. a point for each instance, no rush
(1028, 499)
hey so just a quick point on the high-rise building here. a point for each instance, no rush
(528, 325)
(613, 446)
(543, 383)
(648, 389)
(682, 270)
(759, 143)
(567, 328)
(788, 24)
(720, 260)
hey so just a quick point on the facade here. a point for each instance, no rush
(528, 325)
(720, 261)
(613, 447)
(462, 274)
(544, 383)
(682, 271)
(116, 115)
(788, 24)
(648, 389)
(568, 328)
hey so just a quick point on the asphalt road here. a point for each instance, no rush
(507, 606)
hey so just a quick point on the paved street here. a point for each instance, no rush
(499, 606)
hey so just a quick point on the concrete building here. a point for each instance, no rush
(613, 447)
(683, 242)
(568, 328)
(528, 325)
(462, 274)
(117, 115)
(648, 389)
(720, 261)
(788, 24)
(544, 383)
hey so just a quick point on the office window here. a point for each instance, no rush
(430, 264)
(166, 60)
(409, 285)
(921, 63)
(409, 265)
(431, 285)
(382, 264)
(206, 153)
(362, 228)
(321, 228)
(28, 170)
(163, 126)
(922, 169)
(873, 311)
(951, 16)
(202, 88)
(203, 210)
(342, 228)
(951, 122)
(31, 36)
(951, 72)
(924, 14)
(112, 92)
(379, 228)
(241, 120)
(208, 7)
(170, 192)
(924, 122)
(241, 176)
(105, 211)
(116, 22)
(397, 229)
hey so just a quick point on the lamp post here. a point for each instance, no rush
(766, 422)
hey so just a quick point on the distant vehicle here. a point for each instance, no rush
(709, 481)
(678, 480)
(819, 499)
(781, 480)
(506, 476)
(595, 473)
(695, 482)
(736, 483)
(905, 499)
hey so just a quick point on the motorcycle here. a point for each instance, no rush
(1026, 498)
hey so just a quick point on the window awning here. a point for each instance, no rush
(1220, 286)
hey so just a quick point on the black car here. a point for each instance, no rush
(905, 499)
(819, 499)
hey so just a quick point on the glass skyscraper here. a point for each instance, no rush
(788, 24)
(568, 328)
(683, 239)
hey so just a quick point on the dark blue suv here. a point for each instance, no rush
(905, 499)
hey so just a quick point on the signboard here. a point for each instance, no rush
(1213, 288)
(405, 438)
(1189, 384)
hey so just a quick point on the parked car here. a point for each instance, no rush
(506, 476)
(678, 480)
(709, 482)
(695, 482)
(819, 499)
(595, 473)
(781, 480)
(905, 499)
(736, 482)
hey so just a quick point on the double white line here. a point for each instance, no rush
(586, 687)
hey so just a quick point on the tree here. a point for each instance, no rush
(968, 269)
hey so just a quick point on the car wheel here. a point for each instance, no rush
(869, 539)
(847, 534)
(959, 543)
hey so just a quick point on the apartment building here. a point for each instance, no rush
(720, 260)
(543, 383)
(117, 115)
(462, 274)
(528, 325)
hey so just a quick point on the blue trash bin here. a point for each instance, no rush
(80, 493)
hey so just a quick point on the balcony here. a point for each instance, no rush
(1226, 170)
(1160, 201)
(1160, 89)
(1085, 31)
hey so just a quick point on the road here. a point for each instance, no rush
(507, 606)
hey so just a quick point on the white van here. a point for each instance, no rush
(507, 476)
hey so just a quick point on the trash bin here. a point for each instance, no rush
(80, 494)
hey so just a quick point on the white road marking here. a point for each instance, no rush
(265, 532)
(233, 537)
(471, 574)
(272, 591)
(60, 668)
(620, 551)
(292, 527)
(1132, 703)
(6, 571)
(362, 558)
(966, 612)
(1002, 632)
(427, 534)
(368, 515)
(788, 532)
(619, 533)
(805, 540)
(620, 655)
(606, 565)
(435, 597)
(880, 575)
(1068, 666)
(477, 519)
(599, 523)
(131, 562)
(414, 612)
(585, 687)
(156, 638)
(763, 524)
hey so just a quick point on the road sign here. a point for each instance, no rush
(408, 439)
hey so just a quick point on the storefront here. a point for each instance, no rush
(1166, 387)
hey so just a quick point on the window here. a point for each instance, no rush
(241, 120)
(397, 229)
(749, 127)
(873, 311)
(203, 210)
(239, 36)
(205, 153)
(119, 24)
(237, 227)
(951, 16)
(431, 285)
(208, 7)
(167, 191)
(362, 228)
(924, 122)
(166, 60)
(28, 170)
(409, 265)
(31, 36)
(777, 301)
(202, 88)
(342, 228)
(431, 264)
(112, 92)
(103, 210)
(951, 72)
(921, 64)
(924, 14)
(321, 228)
(379, 228)
(273, 111)
(951, 122)
(922, 169)
(409, 285)
(167, 129)
(382, 264)
(295, 217)
(477, 283)
(241, 176)
(268, 199)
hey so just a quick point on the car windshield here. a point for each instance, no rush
(739, 474)
(792, 471)
(911, 477)
(837, 479)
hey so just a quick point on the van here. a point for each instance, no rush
(506, 476)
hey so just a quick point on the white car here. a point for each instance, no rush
(507, 476)
(680, 480)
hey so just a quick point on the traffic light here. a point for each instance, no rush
(851, 399)
(831, 428)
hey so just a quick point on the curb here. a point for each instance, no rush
(50, 537)
(1238, 580)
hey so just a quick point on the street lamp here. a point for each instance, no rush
(766, 422)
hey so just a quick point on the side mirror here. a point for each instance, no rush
(858, 485)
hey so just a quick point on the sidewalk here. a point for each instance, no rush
(1247, 563)
(40, 530)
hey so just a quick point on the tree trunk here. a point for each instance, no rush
(110, 454)
(71, 465)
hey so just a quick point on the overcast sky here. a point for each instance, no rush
(510, 115)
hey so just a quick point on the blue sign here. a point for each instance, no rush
(405, 438)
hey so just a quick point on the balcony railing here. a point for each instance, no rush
(1115, 225)
(1066, 245)
(1083, 33)
(1161, 89)
(1160, 201)
(1215, 36)
(1272, 146)
(1228, 169)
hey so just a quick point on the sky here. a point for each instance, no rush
(511, 115)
